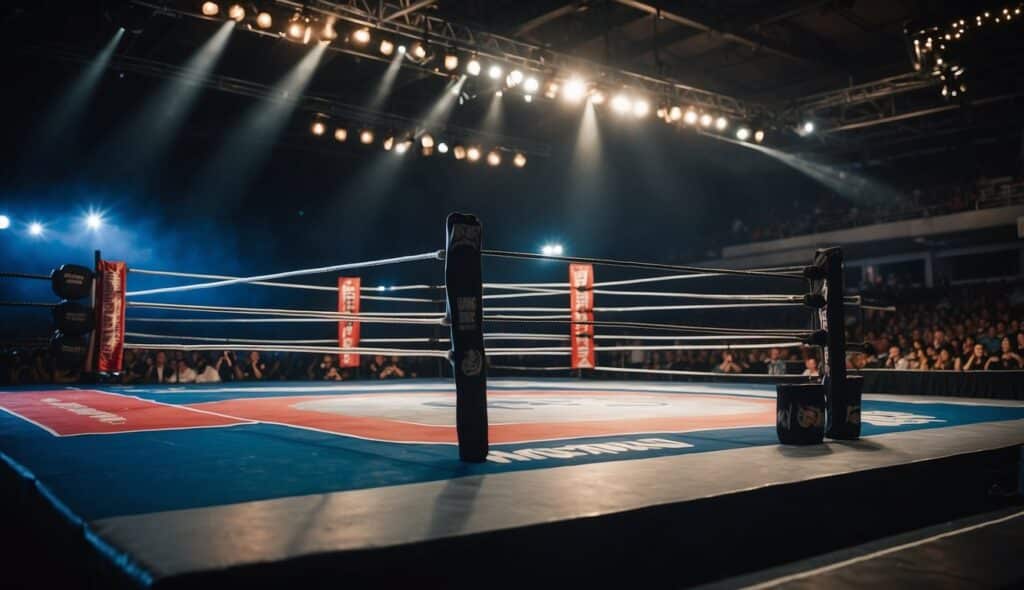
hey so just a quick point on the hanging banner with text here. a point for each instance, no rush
(581, 304)
(110, 292)
(348, 331)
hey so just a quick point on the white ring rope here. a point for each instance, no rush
(704, 373)
(562, 350)
(242, 320)
(435, 255)
(643, 308)
(308, 349)
(389, 317)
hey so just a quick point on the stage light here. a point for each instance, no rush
(499, 93)
(361, 36)
(494, 72)
(93, 221)
(341, 134)
(519, 159)
(641, 108)
(597, 97)
(531, 85)
(552, 90)
(528, 97)
(662, 113)
(690, 117)
(759, 136)
(493, 158)
(401, 49)
(675, 113)
(35, 229)
(743, 134)
(418, 51)
(459, 152)
(210, 8)
(574, 90)
(318, 128)
(442, 147)
(264, 20)
(389, 142)
(552, 250)
(402, 146)
(473, 67)
(473, 154)
(721, 123)
(515, 77)
(236, 13)
(366, 136)
(451, 62)
(296, 28)
(5, 222)
(705, 120)
(807, 127)
(387, 47)
(427, 140)
(621, 104)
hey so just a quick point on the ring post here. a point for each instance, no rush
(464, 282)
(842, 395)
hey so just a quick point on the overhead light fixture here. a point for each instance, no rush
(519, 159)
(473, 67)
(93, 221)
(296, 27)
(236, 13)
(387, 47)
(706, 120)
(493, 158)
(427, 140)
(341, 134)
(531, 85)
(210, 9)
(528, 97)
(318, 128)
(366, 137)
(807, 127)
(574, 91)
(442, 147)
(459, 152)
(514, 78)
(402, 146)
(552, 90)
(401, 49)
(552, 250)
(499, 93)
(641, 108)
(621, 104)
(418, 51)
(34, 229)
(473, 154)
(690, 117)
(328, 33)
(743, 134)
(675, 113)
(451, 62)
(597, 97)
(494, 72)
(264, 20)
(759, 135)
(721, 123)
(5, 222)
(389, 142)
(361, 36)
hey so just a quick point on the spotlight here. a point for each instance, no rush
(807, 127)
(93, 221)
(493, 158)
(459, 152)
(662, 113)
(690, 117)
(473, 154)
(328, 33)
(418, 51)
(5, 222)
(705, 120)
(427, 140)
(528, 97)
(621, 104)
(721, 123)
(387, 47)
(35, 229)
(597, 97)
(318, 128)
(552, 250)
(494, 72)
(552, 90)
(389, 142)
(743, 134)
(531, 85)
(361, 36)
(499, 93)
(442, 147)
(401, 49)
(451, 62)
(519, 159)
(473, 67)
(236, 13)
(641, 108)
(574, 91)
(515, 77)
(675, 113)
(759, 135)
(296, 28)
(341, 134)
(264, 20)
(210, 8)
(366, 137)
(402, 146)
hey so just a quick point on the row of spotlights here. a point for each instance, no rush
(427, 143)
(93, 221)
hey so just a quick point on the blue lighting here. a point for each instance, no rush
(94, 221)
(35, 229)
(552, 250)
(5, 222)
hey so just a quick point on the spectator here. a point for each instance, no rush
(184, 373)
(895, 360)
(728, 365)
(811, 367)
(392, 369)
(159, 371)
(976, 361)
(944, 361)
(206, 373)
(1006, 360)
(254, 369)
(225, 366)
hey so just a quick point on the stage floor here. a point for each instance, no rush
(183, 479)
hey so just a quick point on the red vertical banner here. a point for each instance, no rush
(581, 304)
(110, 292)
(348, 330)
